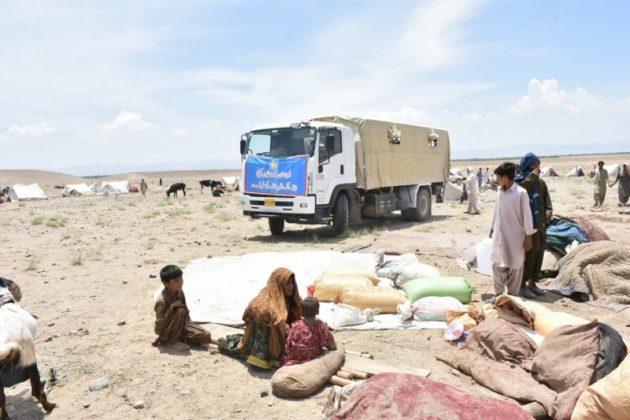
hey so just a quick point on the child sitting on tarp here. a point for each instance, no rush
(172, 321)
(308, 336)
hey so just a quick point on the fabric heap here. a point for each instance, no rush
(505, 360)
(562, 232)
(597, 270)
(408, 396)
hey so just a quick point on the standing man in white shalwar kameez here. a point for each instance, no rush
(474, 199)
(511, 232)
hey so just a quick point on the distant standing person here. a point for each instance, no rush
(160, 181)
(511, 230)
(474, 200)
(624, 185)
(601, 182)
(143, 187)
(480, 177)
(542, 210)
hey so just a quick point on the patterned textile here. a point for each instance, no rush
(306, 340)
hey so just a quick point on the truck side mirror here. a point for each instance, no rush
(243, 145)
(330, 143)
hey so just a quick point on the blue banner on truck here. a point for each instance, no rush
(276, 176)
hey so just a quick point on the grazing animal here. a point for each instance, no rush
(17, 349)
(176, 187)
(217, 187)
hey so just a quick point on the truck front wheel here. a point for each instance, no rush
(276, 225)
(422, 211)
(341, 215)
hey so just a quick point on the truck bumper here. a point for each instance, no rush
(277, 206)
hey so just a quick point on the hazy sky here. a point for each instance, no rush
(147, 82)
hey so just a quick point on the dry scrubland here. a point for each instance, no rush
(86, 264)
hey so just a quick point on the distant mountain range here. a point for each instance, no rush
(541, 149)
(94, 170)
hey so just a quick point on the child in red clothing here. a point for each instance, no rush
(308, 336)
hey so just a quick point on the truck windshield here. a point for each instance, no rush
(282, 142)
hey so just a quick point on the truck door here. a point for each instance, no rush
(330, 170)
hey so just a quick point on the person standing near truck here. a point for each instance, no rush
(474, 200)
(542, 210)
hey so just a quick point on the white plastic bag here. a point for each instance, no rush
(454, 331)
(484, 254)
(434, 308)
(405, 268)
(346, 315)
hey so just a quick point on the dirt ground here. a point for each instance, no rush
(87, 268)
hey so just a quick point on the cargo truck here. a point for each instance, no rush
(338, 170)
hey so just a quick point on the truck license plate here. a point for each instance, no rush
(270, 202)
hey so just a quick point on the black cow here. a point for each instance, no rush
(217, 187)
(176, 187)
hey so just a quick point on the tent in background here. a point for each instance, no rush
(26, 192)
(231, 182)
(455, 175)
(548, 171)
(76, 189)
(613, 170)
(577, 171)
(110, 187)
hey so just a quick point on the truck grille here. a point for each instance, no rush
(278, 203)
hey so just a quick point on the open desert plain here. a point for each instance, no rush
(87, 268)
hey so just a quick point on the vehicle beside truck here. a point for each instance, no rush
(338, 170)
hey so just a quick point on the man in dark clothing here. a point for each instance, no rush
(542, 210)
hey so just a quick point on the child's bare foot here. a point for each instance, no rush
(178, 345)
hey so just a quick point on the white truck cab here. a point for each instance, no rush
(331, 170)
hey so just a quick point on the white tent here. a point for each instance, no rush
(548, 171)
(26, 192)
(613, 171)
(577, 171)
(455, 175)
(452, 192)
(110, 187)
(231, 182)
(76, 189)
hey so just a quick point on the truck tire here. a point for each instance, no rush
(422, 211)
(276, 225)
(341, 215)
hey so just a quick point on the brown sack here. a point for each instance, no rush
(608, 398)
(298, 381)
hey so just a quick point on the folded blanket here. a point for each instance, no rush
(596, 270)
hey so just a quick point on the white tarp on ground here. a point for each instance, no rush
(219, 289)
(110, 187)
(548, 171)
(26, 192)
(76, 189)
(452, 192)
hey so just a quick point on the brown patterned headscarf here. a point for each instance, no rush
(273, 309)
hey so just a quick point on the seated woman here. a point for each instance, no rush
(268, 317)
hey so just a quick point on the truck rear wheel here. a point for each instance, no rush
(341, 215)
(276, 225)
(422, 211)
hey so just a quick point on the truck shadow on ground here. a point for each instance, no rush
(322, 234)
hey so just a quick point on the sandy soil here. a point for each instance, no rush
(86, 266)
